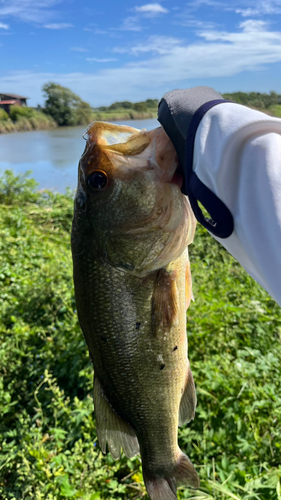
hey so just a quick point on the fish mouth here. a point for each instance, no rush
(128, 148)
(177, 177)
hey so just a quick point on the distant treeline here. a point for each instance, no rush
(62, 107)
(137, 106)
(256, 100)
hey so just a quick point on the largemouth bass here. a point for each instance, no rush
(130, 233)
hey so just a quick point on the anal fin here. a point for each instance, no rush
(185, 473)
(111, 428)
(188, 400)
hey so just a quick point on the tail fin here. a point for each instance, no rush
(160, 488)
(165, 488)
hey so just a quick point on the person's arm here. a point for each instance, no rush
(230, 156)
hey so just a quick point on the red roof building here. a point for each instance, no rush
(7, 100)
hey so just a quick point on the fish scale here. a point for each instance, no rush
(132, 285)
(135, 372)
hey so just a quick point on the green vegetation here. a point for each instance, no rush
(48, 444)
(268, 103)
(24, 119)
(127, 110)
(6, 124)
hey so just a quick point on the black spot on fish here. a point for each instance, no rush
(104, 339)
(137, 326)
(175, 348)
(162, 367)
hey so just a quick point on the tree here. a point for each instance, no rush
(65, 107)
(140, 106)
(83, 113)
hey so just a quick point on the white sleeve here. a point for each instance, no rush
(237, 155)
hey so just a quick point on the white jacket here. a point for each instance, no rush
(237, 155)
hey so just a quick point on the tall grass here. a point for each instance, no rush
(6, 124)
(123, 114)
(25, 119)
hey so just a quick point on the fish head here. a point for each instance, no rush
(128, 199)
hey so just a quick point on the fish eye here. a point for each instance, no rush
(97, 180)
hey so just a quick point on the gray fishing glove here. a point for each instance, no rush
(180, 113)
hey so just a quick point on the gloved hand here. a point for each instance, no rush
(180, 113)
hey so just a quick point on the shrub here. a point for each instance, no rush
(3, 115)
(6, 124)
(23, 124)
(17, 112)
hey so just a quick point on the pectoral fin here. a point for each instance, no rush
(164, 300)
(188, 400)
(112, 429)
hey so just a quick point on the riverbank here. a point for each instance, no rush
(25, 120)
(41, 121)
(123, 115)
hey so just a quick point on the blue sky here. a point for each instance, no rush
(132, 50)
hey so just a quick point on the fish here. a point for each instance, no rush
(130, 234)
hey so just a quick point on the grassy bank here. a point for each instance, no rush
(126, 110)
(267, 103)
(48, 444)
(25, 119)
(28, 119)
(121, 115)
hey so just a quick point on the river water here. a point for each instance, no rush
(51, 155)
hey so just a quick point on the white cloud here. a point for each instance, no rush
(58, 26)
(215, 54)
(4, 26)
(78, 49)
(130, 24)
(152, 8)
(191, 22)
(247, 12)
(28, 10)
(253, 26)
(196, 4)
(95, 59)
(101, 32)
(158, 44)
(260, 8)
(246, 8)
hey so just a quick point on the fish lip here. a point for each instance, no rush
(177, 177)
